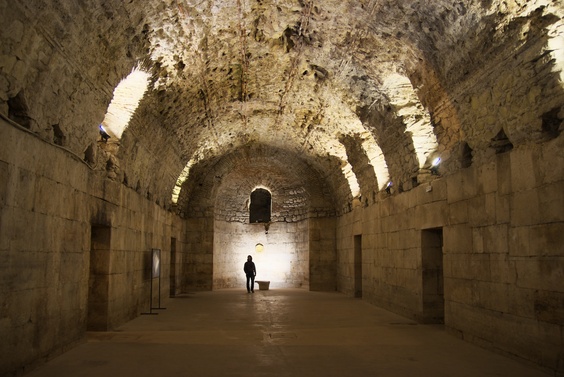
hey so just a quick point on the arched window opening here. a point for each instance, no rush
(259, 209)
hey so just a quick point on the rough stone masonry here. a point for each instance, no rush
(412, 150)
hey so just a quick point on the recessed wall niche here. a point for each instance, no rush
(260, 207)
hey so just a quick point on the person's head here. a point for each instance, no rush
(249, 258)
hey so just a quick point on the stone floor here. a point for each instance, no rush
(277, 333)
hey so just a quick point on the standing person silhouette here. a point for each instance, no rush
(251, 272)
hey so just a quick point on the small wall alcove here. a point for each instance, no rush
(260, 207)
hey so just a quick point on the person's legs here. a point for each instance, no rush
(248, 286)
(253, 284)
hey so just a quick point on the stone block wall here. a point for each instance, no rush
(322, 254)
(197, 259)
(347, 224)
(504, 285)
(503, 262)
(283, 259)
(50, 202)
(298, 239)
(298, 255)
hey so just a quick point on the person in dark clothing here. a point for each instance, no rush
(251, 272)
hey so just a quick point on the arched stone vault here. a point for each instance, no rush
(323, 103)
(222, 187)
(295, 75)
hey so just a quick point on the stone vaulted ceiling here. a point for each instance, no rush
(350, 94)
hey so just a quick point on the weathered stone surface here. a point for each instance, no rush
(325, 105)
(45, 231)
(501, 258)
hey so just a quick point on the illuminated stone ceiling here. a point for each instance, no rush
(360, 92)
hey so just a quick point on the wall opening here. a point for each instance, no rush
(358, 266)
(59, 137)
(99, 278)
(260, 207)
(18, 110)
(432, 275)
(466, 156)
(501, 143)
(551, 123)
(173, 265)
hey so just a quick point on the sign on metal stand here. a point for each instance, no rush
(155, 273)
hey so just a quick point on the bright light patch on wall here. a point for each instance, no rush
(556, 46)
(416, 119)
(276, 264)
(276, 258)
(377, 160)
(337, 149)
(351, 178)
(127, 96)
(260, 187)
(180, 181)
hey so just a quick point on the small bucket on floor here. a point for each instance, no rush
(263, 284)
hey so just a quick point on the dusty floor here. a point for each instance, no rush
(277, 333)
